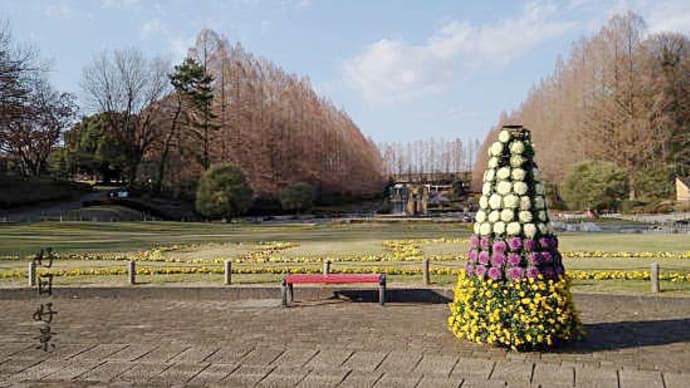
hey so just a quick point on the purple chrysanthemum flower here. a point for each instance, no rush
(473, 255)
(546, 257)
(499, 246)
(534, 258)
(469, 269)
(514, 260)
(559, 269)
(483, 258)
(474, 241)
(532, 272)
(549, 273)
(484, 243)
(480, 271)
(515, 244)
(515, 273)
(545, 242)
(530, 245)
(494, 273)
(498, 260)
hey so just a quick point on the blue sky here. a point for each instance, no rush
(403, 70)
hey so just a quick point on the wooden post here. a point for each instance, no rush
(228, 272)
(32, 273)
(283, 293)
(326, 267)
(132, 271)
(655, 277)
(425, 271)
(382, 289)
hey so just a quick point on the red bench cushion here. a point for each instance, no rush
(332, 278)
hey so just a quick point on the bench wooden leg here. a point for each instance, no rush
(291, 293)
(382, 290)
(283, 293)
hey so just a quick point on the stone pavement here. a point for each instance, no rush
(633, 342)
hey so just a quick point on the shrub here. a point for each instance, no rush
(594, 185)
(297, 197)
(223, 192)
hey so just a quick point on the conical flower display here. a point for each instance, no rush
(514, 292)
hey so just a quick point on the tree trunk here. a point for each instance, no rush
(166, 150)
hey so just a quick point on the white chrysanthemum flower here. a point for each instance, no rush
(495, 201)
(520, 188)
(496, 149)
(486, 188)
(535, 173)
(507, 215)
(516, 161)
(518, 174)
(525, 203)
(504, 136)
(503, 187)
(542, 216)
(539, 188)
(481, 216)
(476, 228)
(494, 216)
(525, 216)
(490, 175)
(503, 173)
(530, 230)
(499, 227)
(513, 229)
(539, 202)
(543, 228)
(493, 162)
(517, 147)
(511, 201)
(485, 229)
(483, 202)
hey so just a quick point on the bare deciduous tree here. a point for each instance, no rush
(128, 86)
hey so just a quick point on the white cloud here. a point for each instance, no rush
(152, 27)
(669, 16)
(180, 46)
(119, 4)
(265, 25)
(660, 15)
(393, 70)
(58, 9)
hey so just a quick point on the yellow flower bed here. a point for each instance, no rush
(399, 251)
(624, 254)
(521, 315)
(387, 269)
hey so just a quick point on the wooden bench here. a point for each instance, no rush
(290, 280)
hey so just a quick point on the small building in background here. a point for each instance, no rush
(683, 189)
(409, 199)
(422, 194)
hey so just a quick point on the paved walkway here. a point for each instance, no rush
(634, 342)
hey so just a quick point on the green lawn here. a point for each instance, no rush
(230, 241)
(76, 237)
